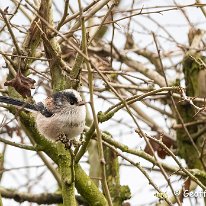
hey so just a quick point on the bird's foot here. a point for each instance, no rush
(68, 143)
(65, 140)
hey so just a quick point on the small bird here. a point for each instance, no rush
(63, 113)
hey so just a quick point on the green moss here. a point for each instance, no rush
(1, 203)
(66, 171)
(191, 68)
(104, 117)
(187, 150)
(86, 187)
(161, 195)
(118, 193)
(125, 193)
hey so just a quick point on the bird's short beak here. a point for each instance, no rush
(81, 103)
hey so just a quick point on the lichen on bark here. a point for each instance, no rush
(194, 75)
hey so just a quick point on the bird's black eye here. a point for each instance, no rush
(71, 98)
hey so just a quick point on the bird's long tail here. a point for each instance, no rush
(17, 102)
(34, 107)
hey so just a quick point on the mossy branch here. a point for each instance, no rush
(51, 46)
(75, 72)
(61, 157)
(118, 193)
(86, 187)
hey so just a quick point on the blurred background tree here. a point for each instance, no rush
(141, 65)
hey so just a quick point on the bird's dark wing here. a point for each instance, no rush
(43, 110)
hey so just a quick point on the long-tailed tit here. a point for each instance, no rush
(63, 113)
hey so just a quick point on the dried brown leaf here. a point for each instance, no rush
(21, 84)
(161, 152)
(186, 186)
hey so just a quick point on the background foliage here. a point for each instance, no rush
(141, 65)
